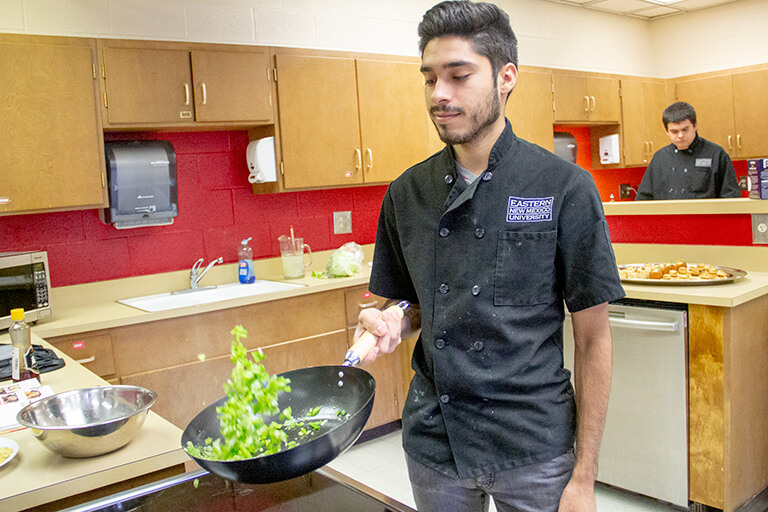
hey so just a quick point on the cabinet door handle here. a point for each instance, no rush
(730, 146)
(359, 159)
(738, 141)
(594, 104)
(368, 304)
(652, 148)
(586, 103)
(186, 93)
(86, 360)
(205, 93)
(370, 158)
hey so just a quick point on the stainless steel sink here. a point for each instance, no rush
(165, 301)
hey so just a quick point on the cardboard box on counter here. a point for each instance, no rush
(758, 178)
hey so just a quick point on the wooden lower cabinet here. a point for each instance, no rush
(92, 350)
(728, 412)
(185, 390)
(297, 332)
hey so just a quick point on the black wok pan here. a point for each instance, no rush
(336, 389)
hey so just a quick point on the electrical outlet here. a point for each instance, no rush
(342, 223)
(759, 228)
(625, 191)
(744, 183)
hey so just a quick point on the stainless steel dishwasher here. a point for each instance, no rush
(645, 442)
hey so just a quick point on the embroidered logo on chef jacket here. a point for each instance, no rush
(703, 162)
(529, 209)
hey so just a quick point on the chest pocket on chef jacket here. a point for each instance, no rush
(525, 268)
(698, 179)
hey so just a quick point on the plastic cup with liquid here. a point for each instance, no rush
(296, 256)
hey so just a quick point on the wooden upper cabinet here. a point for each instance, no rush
(750, 113)
(393, 118)
(529, 107)
(52, 155)
(232, 86)
(642, 101)
(170, 84)
(319, 128)
(148, 86)
(712, 98)
(346, 121)
(731, 110)
(581, 97)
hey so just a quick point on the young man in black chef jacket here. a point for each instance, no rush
(689, 168)
(488, 239)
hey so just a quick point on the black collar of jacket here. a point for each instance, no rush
(461, 192)
(697, 141)
(502, 144)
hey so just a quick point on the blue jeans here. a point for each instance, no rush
(531, 488)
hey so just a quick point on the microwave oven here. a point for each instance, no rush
(24, 283)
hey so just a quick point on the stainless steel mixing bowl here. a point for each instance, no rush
(88, 422)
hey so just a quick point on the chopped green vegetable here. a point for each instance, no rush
(196, 483)
(252, 395)
(341, 412)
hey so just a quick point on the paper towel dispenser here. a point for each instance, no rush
(141, 176)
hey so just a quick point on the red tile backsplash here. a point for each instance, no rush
(217, 210)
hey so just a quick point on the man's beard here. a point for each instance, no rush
(487, 113)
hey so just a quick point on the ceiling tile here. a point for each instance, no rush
(692, 5)
(619, 6)
(655, 12)
(644, 8)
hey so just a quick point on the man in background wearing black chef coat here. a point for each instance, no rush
(488, 239)
(689, 168)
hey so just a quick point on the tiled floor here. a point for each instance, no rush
(380, 464)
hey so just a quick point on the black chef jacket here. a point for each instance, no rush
(704, 170)
(491, 264)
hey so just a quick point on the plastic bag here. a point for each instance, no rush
(344, 262)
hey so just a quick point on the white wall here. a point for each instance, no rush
(728, 36)
(550, 34)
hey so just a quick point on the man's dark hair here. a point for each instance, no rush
(679, 112)
(483, 24)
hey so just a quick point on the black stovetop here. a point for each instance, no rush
(324, 490)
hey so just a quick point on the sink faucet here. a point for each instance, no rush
(195, 275)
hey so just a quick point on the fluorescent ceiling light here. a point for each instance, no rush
(664, 2)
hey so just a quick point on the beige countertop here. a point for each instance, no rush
(752, 286)
(37, 475)
(93, 306)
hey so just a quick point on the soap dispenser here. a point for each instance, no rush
(245, 266)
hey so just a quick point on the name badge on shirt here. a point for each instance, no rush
(529, 209)
(703, 162)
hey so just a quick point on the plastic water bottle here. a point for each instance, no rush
(23, 364)
(245, 266)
